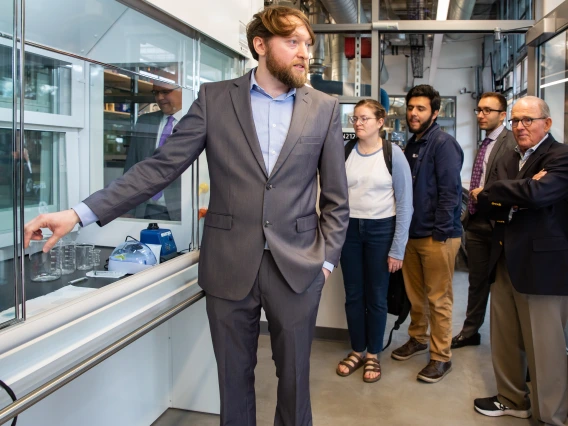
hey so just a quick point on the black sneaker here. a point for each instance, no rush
(493, 408)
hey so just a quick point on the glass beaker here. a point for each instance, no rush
(44, 266)
(96, 258)
(69, 259)
(84, 253)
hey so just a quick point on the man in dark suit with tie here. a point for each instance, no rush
(268, 138)
(529, 298)
(150, 133)
(491, 111)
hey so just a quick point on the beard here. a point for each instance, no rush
(423, 127)
(286, 74)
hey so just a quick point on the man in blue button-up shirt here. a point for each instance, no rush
(268, 139)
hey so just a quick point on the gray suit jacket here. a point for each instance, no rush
(505, 142)
(247, 207)
(142, 146)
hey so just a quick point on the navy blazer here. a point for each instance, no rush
(535, 241)
(436, 179)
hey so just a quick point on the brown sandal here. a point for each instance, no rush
(372, 365)
(352, 362)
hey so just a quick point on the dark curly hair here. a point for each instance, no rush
(428, 92)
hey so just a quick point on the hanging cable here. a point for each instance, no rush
(10, 392)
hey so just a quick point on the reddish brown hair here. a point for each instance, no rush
(274, 21)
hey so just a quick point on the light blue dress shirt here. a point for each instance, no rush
(272, 118)
(525, 156)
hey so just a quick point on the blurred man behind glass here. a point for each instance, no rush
(150, 133)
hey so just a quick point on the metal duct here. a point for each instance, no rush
(460, 10)
(317, 16)
(344, 11)
(339, 62)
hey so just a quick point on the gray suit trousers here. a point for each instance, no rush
(529, 329)
(235, 329)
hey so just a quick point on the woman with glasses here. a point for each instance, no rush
(380, 213)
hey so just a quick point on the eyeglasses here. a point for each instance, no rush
(353, 119)
(527, 121)
(162, 92)
(486, 111)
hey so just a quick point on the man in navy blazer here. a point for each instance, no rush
(528, 200)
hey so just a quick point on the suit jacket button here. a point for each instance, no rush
(269, 186)
(501, 243)
(266, 224)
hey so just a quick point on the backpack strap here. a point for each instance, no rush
(387, 152)
(349, 147)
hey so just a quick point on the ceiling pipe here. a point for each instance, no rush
(460, 10)
(317, 16)
(344, 11)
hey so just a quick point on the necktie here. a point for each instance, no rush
(165, 133)
(476, 173)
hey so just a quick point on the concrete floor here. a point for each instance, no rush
(398, 399)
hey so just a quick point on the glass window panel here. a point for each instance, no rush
(9, 159)
(346, 110)
(217, 66)
(138, 43)
(68, 25)
(47, 83)
(135, 122)
(44, 186)
(553, 79)
(44, 178)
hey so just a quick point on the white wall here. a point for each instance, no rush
(219, 19)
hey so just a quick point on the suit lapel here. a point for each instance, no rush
(299, 117)
(513, 165)
(240, 96)
(499, 143)
(541, 150)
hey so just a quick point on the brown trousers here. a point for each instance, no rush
(428, 270)
(528, 329)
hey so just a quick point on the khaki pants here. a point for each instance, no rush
(428, 270)
(528, 330)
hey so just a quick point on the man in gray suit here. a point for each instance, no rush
(491, 111)
(151, 132)
(267, 137)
